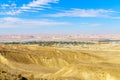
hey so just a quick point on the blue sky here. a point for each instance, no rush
(60, 16)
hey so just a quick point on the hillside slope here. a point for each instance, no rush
(54, 63)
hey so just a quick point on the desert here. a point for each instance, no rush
(75, 62)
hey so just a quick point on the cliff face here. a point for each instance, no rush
(60, 63)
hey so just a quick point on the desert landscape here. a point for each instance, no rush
(99, 61)
(59, 39)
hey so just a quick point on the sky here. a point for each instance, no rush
(59, 16)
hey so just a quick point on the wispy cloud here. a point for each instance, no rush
(35, 5)
(90, 24)
(9, 22)
(83, 13)
(95, 24)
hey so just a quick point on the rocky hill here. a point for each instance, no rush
(58, 37)
(96, 62)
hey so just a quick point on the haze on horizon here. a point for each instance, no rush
(59, 17)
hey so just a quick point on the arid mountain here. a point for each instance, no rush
(58, 37)
(93, 62)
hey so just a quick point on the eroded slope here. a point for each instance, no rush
(61, 63)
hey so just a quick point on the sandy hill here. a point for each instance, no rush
(94, 62)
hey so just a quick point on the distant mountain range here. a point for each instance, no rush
(58, 37)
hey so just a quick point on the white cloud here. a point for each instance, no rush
(95, 24)
(90, 24)
(3, 6)
(83, 13)
(35, 5)
(18, 22)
